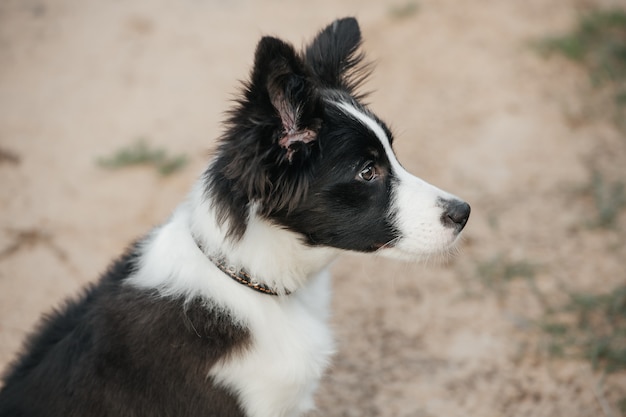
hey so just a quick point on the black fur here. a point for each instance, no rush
(340, 210)
(120, 351)
(251, 164)
(335, 60)
(312, 186)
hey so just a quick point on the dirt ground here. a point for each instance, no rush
(475, 109)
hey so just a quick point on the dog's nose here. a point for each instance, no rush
(455, 214)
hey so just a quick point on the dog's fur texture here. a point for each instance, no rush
(303, 172)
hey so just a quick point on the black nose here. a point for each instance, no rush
(455, 214)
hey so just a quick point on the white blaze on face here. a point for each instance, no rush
(416, 206)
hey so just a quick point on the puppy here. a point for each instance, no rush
(222, 310)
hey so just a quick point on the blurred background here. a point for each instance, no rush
(108, 111)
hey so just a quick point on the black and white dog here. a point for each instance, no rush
(222, 310)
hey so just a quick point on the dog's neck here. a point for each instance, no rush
(272, 255)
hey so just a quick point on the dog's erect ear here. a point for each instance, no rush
(280, 78)
(269, 147)
(334, 57)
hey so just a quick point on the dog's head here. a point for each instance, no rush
(301, 151)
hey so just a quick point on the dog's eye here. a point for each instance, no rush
(368, 173)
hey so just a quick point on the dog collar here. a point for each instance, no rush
(239, 275)
(243, 277)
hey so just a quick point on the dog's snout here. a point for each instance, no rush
(455, 214)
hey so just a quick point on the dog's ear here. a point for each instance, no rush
(267, 152)
(281, 87)
(334, 56)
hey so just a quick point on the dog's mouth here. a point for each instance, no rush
(383, 245)
(442, 247)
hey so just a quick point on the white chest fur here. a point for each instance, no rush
(291, 346)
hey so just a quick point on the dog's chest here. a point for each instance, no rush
(291, 347)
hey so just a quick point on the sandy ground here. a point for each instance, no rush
(476, 111)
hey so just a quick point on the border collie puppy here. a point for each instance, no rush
(222, 310)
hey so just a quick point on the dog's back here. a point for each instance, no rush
(122, 351)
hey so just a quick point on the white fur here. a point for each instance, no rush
(292, 346)
(417, 204)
